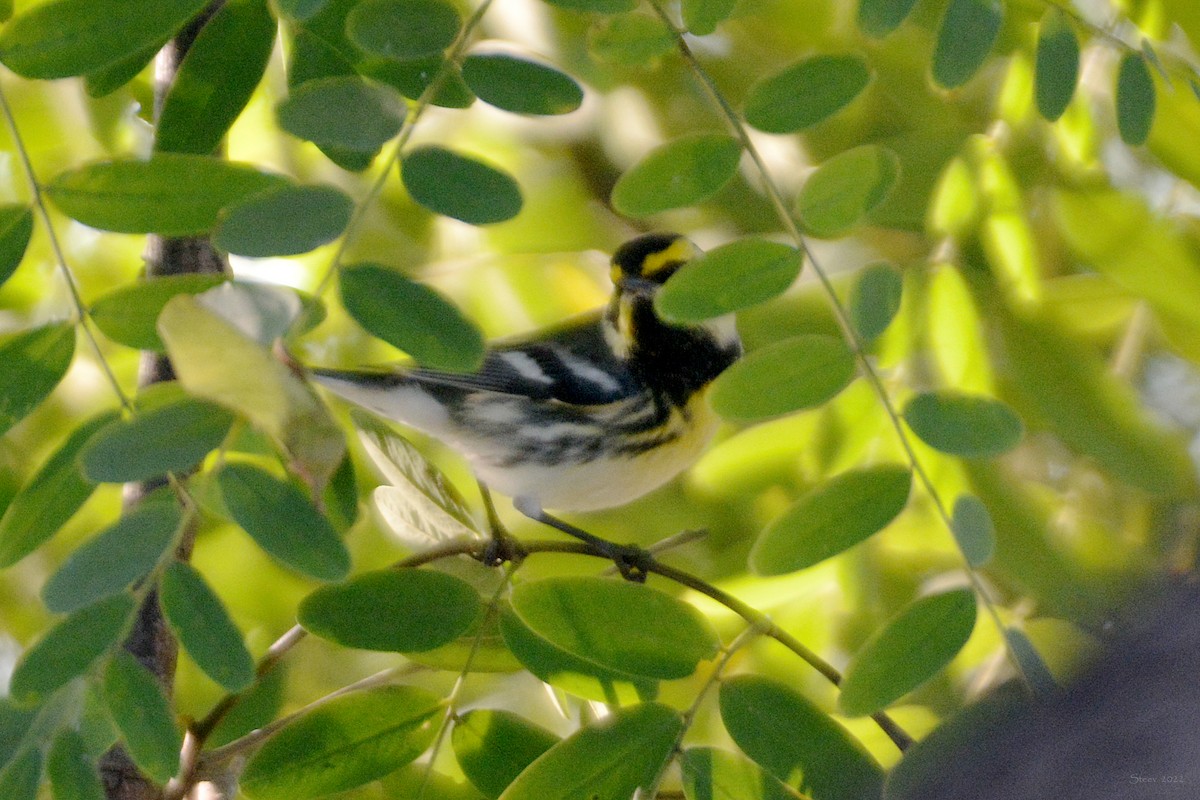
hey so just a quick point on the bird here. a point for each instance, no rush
(587, 415)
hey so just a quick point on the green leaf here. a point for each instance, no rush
(875, 300)
(786, 376)
(71, 771)
(16, 227)
(1033, 668)
(342, 112)
(679, 173)
(609, 760)
(797, 743)
(16, 723)
(34, 362)
(456, 186)
(1057, 67)
(412, 78)
(1135, 100)
(710, 773)
(702, 17)
(344, 743)
(630, 40)
(521, 85)
(402, 29)
(215, 361)
(878, 18)
(20, 777)
(128, 315)
(973, 530)
(216, 78)
(494, 747)
(420, 506)
(70, 648)
(966, 37)
(256, 707)
(106, 80)
(598, 6)
(172, 194)
(590, 619)
(116, 557)
(806, 92)
(283, 522)
(832, 518)
(398, 611)
(729, 278)
(963, 425)
(300, 10)
(411, 317)
(845, 189)
(557, 667)
(143, 716)
(51, 497)
(284, 221)
(170, 438)
(62, 38)
(202, 625)
(912, 648)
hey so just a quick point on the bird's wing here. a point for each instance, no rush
(573, 364)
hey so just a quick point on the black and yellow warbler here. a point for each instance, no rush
(589, 415)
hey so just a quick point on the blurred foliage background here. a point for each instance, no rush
(1050, 265)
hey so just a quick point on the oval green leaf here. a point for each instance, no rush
(343, 112)
(70, 648)
(71, 770)
(173, 194)
(614, 758)
(128, 315)
(114, 558)
(215, 361)
(1057, 67)
(729, 278)
(170, 438)
(1135, 100)
(619, 625)
(34, 362)
(398, 611)
(216, 78)
(285, 221)
(710, 773)
(679, 173)
(805, 93)
(202, 625)
(969, 30)
(845, 189)
(494, 747)
(107, 80)
(795, 741)
(411, 317)
(973, 530)
(75, 37)
(832, 518)
(908, 651)
(786, 376)
(51, 497)
(283, 522)
(456, 186)
(20, 777)
(402, 29)
(630, 40)
(963, 425)
(521, 85)
(702, 17)
(1033, 666)
(557, 667)
(412, 78)
(143, 716)
(16, 227)
(344, 743)
(875, 300)
(878, 18)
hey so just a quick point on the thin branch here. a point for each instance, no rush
(840, 314)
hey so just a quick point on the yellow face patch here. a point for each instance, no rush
(679, 251)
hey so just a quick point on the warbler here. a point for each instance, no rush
(588, 415)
